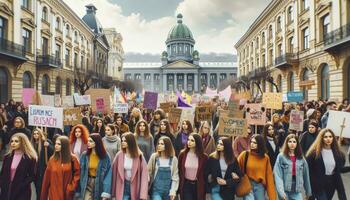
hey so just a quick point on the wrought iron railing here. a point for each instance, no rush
(12, 49)
(337, 35)
(288, 57)
(48, 60)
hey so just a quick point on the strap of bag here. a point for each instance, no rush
(246, 155)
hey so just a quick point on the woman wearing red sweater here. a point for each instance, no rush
(192, 162)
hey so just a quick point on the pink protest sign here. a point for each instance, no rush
(28, 94)
(100, 104)
(296, 120)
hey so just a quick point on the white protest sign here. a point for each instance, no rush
(45, 116)
(187, 114)
(339, 123)
(47, 100)
(121, 108)
(82, 100)
(67, 101)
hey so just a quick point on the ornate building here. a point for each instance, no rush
(180, 67)
(303, 45)
(42, 43)
(116, 54)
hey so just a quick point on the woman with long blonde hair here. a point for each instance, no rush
(207, 138)
(325, 160)
(18, 169)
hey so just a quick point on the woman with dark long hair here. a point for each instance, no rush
(291, 168)
(308, 137)
(123, 127)
(192, 161)
(271, 142)
(129, 171)
(165, 130)
(222, 171)
(154, 125)
(182, 136)
(144, 139)
(111, 140)
(99, 127)
(62, 174)
(163, 171)
(325, 161)
(256, 165)
(135, 117)
(78, 139)
(18, 169)
(95, 171)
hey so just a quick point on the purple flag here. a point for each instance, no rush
(181, 102)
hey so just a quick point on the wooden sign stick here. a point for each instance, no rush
(45, 148)
(342, 126)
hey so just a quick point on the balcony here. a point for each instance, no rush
(12, 50)
(48, 61)
(286, 60)
(337, 38)
(257, 73)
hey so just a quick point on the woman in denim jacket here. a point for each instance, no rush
(291, 171)
(95, 171)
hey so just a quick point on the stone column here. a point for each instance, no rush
(175, 82)
(164, 82)
(208, 79)
(217, 80)
(196, 82)
(185, 82)
(143, 80)
(152, 82)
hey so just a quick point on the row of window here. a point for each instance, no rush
(147, 77)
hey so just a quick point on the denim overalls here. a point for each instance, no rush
(162, 182)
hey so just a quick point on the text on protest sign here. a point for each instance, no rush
(121, 108)
(272, 100)
(45, 116)
(232, 126)
(295, 96)
(67, 101)
(97, 104)
(175, 115)
(47, 100)
(166, 106)
(72, 116)
(296, 120)
(204, 113)
(82, 100)
(256, 114)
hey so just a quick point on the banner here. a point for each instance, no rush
(296, 120)
(203, 113)
(272, 100)
(82, 100)
(243, 95)
(175, 115)
(150, 100)
(211, 93)
(226, 93)
(45, 116)
(67, 101)
(97, 104)
(255, 114)
(72, 116)
(28, 96)
(47, 100)
(339, 123)
(121, 108)
(232, 126)
(295, 96)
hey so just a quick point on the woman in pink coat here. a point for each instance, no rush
(130, 173)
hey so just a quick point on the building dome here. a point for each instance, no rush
(180, 31)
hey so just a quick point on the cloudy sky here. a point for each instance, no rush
(215, 24)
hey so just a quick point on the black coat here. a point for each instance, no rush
(318, 174)
(271, 153)
(19, 188)
(160, 134)
(178, 146)
(213, 168)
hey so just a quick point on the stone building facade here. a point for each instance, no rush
(303, 45)
(116, 54)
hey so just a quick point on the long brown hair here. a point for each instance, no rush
(168, 147)
(99, 147)
(200, 132)
(199, 149)
(25, 146)
(65, 154)
(132, 145)
(84, 134)
(228, 151)
(285, 149)
(22, 121)
(318, 145)
(41, 140)
(137, 128)
(266, 131)
(167, 125)
(189, 125)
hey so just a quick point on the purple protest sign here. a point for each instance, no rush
(150, 100)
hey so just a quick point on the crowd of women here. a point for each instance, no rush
(137, 157)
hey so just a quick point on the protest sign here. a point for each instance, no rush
(295, 96)
(72, 116)
(47, 100)
(296, 120)
(233, 109)
(28, 96)
(204, 113)
(166, 106)
(175, 115)
(272, 100)
(150, 100)
(45, 116)
(339, 123)
(242, 95)
(97, 104)
(67, 101)
(187, 114)
(256, 114)
(195, 98)
(82, 100)
(232, 126)
(58, 100)
(121, 108)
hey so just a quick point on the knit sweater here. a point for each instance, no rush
(146, 146)
(259, 170)
(112, 145)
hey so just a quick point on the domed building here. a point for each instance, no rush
(180, 67)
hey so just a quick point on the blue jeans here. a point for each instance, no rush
(215, 193)
(257, 193)
(126, 194)
(157, 196)
(294, 196)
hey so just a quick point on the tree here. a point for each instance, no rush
(129, 86)
(225, 83)
(83, 80)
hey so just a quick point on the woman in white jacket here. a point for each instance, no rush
(163, 171)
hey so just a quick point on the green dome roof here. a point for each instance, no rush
(180, 31)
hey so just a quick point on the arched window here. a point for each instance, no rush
(45, 14)
(290, 16)
(68, 87)
(305, 35)
(257, 43)
(325, 26)
(305, 77)
(291, 82)
(4, 85)
(45, 84)
(325, 83)
(270, 32)
(58, 23)
(67, 30)
(58, 85)
(263, 38)
(27, 80)
(279, 24)
(279, 83)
